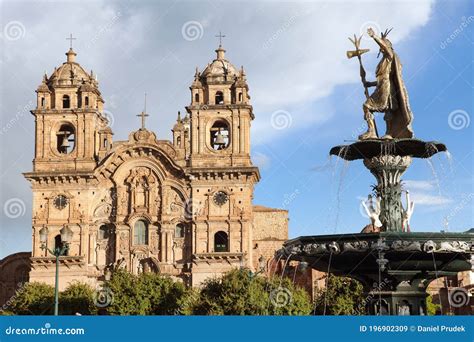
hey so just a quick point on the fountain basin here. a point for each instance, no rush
(410, 262)
(366, 149)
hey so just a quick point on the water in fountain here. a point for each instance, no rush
(437, 282)
(437, 183)
(338, 175)
(327, 284)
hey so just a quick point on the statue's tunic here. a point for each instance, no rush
(382, 98)
(390, 97)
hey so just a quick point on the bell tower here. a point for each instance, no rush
(220, 114)
(72, 134)
(222, 176)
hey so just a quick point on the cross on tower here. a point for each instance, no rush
(220, 36)
(143, 115)
(71, 39)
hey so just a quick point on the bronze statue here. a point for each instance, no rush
(390, 95)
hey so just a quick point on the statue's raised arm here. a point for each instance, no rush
(389, 97)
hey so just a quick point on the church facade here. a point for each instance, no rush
(182, 207)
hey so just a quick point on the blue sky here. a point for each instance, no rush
(307, 96)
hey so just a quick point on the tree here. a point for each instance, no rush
(33, 299)
(239, 293)
(146, 294)
(432, 308)
(77, 298)
(342, 296)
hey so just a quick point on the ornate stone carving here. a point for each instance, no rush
(179, 242)
(143, 189)
(454, 246)
(154, 243)
(124, 242)
(102, 211)
(429, 246)
(314, 248)
(77, 214)
(142, 135)
(334, 247)
(404, 245)
(177, 204)
(356, 246)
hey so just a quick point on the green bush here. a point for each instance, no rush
(431, 307)
(235, 293)
(238, 293)
(343, 296)
(33, 299)
(77, 298)
(146, 294)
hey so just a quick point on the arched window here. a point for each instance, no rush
(240, 97)
(179, 233)
(86, 101)
(219, 97)
(140, 233)
(42, 102)
(66, 139)
(221, 242)
(103, 232)
(178, 141)
(66, 101)
(196, 98)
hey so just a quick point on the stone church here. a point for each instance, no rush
(182, 207)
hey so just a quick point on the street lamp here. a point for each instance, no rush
(66, 237)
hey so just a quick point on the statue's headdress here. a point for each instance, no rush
(384, 35)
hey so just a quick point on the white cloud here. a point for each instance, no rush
(430, 200)
(418, 185)
(261, 160)
(425, 193)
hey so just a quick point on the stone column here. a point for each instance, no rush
(388, 170)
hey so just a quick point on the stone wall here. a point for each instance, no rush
(270, 231)
(14, 271)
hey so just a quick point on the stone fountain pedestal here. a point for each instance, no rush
(394, 266)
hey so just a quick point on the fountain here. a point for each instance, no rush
(394, 264)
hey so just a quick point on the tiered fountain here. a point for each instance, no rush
(394, 265)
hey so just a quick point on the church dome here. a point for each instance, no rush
(71, 73)
(220, 67)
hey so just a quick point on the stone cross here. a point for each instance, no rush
(143, 115)
(71, 39)
(220, 36)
